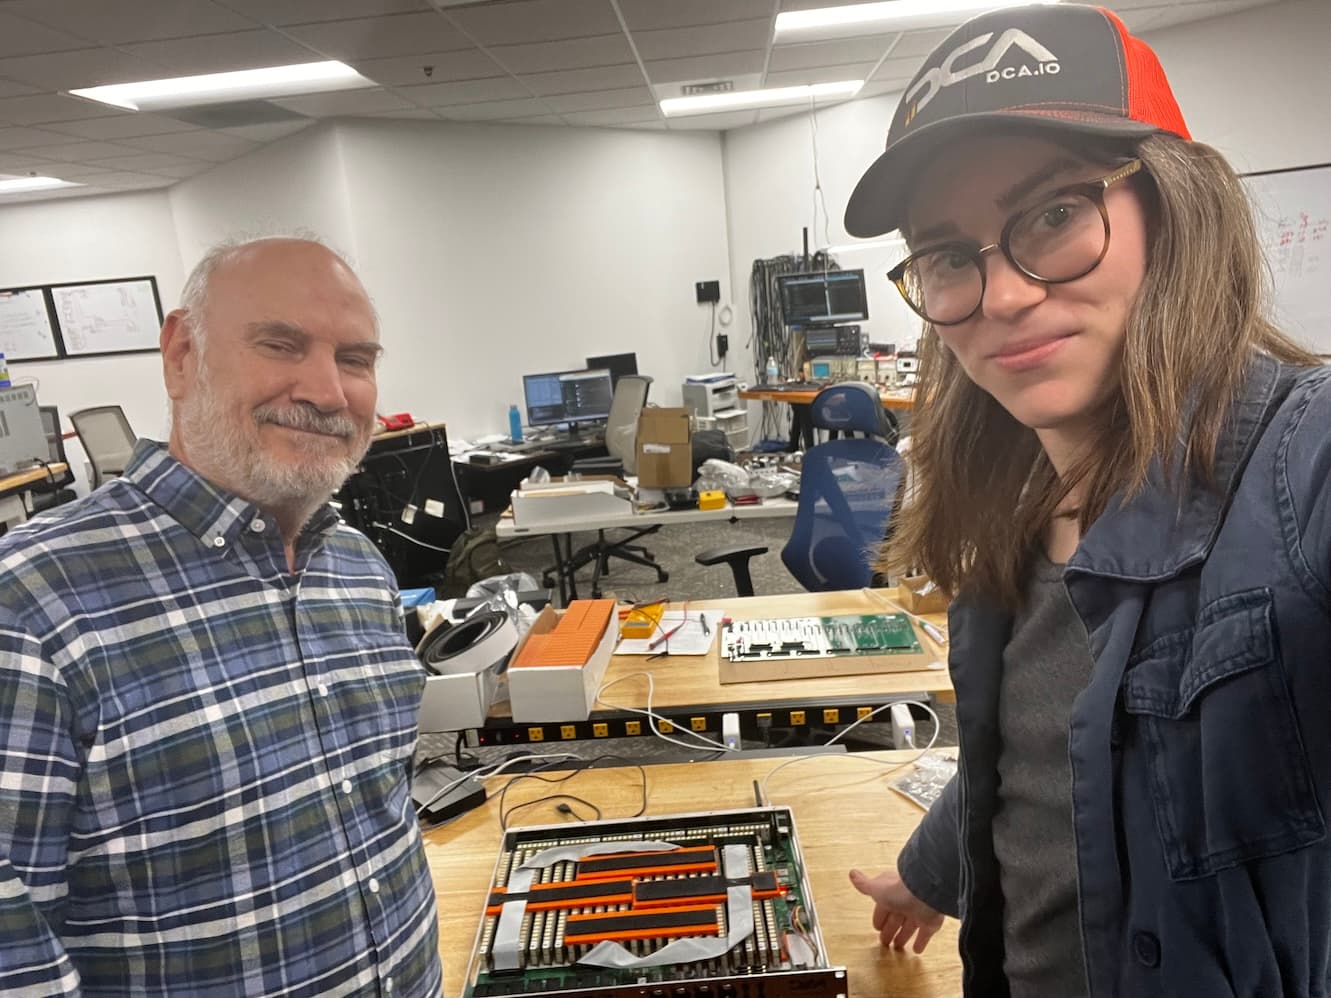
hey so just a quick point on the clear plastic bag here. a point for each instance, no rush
(717, 474)
(500, 592)
(769, 482)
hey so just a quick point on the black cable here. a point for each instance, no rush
(591, 764)
(711, 340)
(563, 808)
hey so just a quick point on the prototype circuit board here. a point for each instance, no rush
(694, 905)
(819, 637)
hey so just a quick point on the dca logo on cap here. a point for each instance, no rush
(946, 73)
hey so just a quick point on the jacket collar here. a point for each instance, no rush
(1167, 528)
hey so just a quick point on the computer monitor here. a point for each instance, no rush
(567, 396)
(824, 298)
(618, 364)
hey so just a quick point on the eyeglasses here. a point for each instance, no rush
(1062, 238)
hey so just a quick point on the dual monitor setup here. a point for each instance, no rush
(569, 398)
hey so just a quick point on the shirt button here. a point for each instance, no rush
(346, 786)
(1146, 948)
(258, 525)
(388, 985)
(219, 541)
(373, 886)
(323, 689)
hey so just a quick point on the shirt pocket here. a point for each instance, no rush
(1230, 780)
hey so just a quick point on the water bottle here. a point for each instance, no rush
(514, 424)
(773, 372)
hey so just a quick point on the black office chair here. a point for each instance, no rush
(54, 490)
(621, 441)
(107, 439)
(848, 490)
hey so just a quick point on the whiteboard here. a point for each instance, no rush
(1293, 209)
(108, 316)
(25, 325)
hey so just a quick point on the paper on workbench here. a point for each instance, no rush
(690, 639)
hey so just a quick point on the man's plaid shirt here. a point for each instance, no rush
(204, 758)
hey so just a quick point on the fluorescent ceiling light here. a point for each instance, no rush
(214, 88)
(704, 103)
(915, 13)
(21, 185)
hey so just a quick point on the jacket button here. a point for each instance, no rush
(1146, 947)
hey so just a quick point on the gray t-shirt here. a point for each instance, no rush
(1046, 664)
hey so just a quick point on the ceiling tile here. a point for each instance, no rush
(12, 88)
(22, 37)
(677, 43)
(466, 92)
(121, 126)
(536, 119)
(714, 122)
(82, 68)
(601, 99)
(155, 161)
(76, 171)
(518, 21)
(408, 113)
(190, 169)
(380, 37)
(811, 55)
(269, 131)
(21, 164)
(875, 88)
(918, 44)
(571, 53)
(346, 102)
(824, 74)
(573, 81)
(223, 53)
(705, 67)
(897, 69)
(645, 15)
(120, 21)
(26, 138)
(42, 108)
(129, 180)
(305, 11)
(445, 67)
(495, 110)
(200, 143)
(613, 116)
(81, 151)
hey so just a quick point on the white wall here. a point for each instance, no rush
(1256, 84)
(493, 251)
(87, 239)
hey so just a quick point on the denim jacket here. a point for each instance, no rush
(1201, 747)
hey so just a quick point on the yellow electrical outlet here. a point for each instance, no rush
(831, 716)
(797, 717)
(698, 723)
(666, 727)
(632, 727)
(568, 731)
(862, 712)
(600, 730)
(535, 734)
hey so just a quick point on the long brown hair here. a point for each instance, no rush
(984, 491)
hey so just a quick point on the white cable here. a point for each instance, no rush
(494, 769)
(892, 766)
(653, 717)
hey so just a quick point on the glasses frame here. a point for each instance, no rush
(1094, 191)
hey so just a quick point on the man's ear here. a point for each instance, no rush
(179, 353)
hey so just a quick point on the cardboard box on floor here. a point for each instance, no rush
(665, 452)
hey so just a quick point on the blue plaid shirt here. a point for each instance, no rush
(204, 757)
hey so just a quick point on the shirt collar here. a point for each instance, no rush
(1165, 529)
(210, 513)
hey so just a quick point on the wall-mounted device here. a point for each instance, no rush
(823, 298)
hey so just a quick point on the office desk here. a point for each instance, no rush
(844, 816)
(688, 691)
(12, 488)
(801, 427)
(507, 529)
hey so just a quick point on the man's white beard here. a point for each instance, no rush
(232, 456)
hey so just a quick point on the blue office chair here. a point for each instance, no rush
(848, 489)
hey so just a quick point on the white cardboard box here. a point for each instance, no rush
(560, 501)
(454, 703)
(543, 693)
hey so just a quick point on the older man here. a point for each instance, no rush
(207, 703)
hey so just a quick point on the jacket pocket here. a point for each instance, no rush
(1230, 780)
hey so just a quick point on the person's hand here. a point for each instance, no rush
(897, 913)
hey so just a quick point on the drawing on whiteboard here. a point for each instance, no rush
(108, 316)
(25, 325)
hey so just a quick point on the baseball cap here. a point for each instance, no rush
(1056, 67)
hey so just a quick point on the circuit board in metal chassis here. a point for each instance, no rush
(692, 905)
(819, 637)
